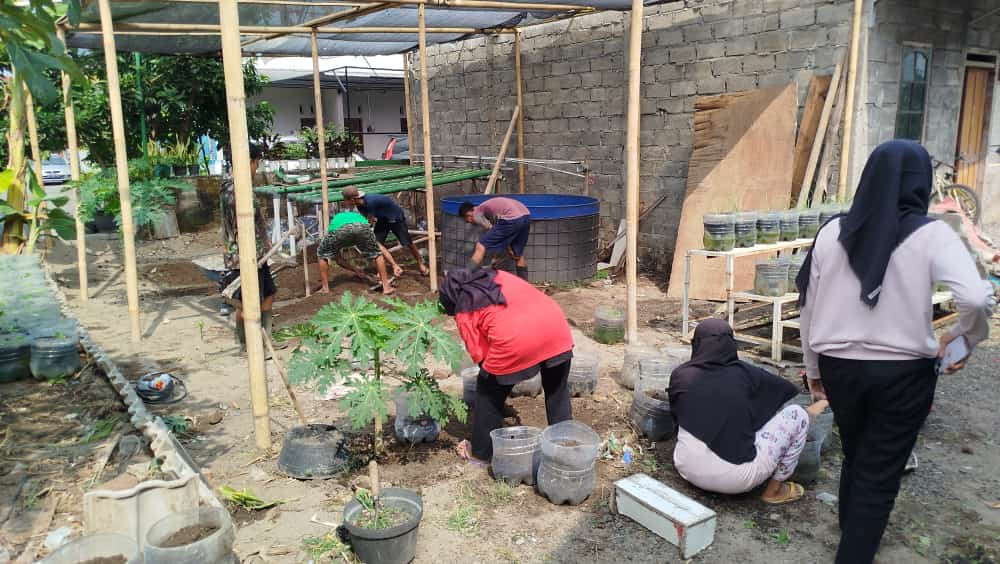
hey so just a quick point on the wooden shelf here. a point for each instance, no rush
(755, 250)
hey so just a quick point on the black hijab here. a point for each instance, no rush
(721, 400)
(890, 204)
(466, 290)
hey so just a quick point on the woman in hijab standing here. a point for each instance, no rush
(512, 331)
(866, 318)
(733, 433)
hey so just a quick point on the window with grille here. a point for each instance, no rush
(913, 82)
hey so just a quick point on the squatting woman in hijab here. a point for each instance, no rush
(866, 316)
(512, 331)
(734, 432)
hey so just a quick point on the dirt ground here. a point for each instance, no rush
(942, 514)
(54, 443)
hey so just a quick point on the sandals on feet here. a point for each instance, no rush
(463, 449)
(795, 493)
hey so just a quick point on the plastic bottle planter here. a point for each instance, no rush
(197, 536)
(54, 357)
(582, 380)
(771, 278)
(746, 229)
(654, 373)
(414, 429)
(826, 213)
(15, 353)
(469, 377)
(530, 387)
(794, 265)
(768, 228)
(789, 225)
(808, 223)
(104, 547)
(516, 454)
(808, 466)
(394, 545)
(720, 231)
(609, 325)
(314, 451)
(569, 452)
(650, 412)
(820, 427)
(628, 376)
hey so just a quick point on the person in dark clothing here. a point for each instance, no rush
(231, 257)
(388, 217)
(512, 331)
(867, 334)
(733, 431)
(507, 223)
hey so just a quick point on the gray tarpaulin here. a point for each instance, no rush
(298, 15)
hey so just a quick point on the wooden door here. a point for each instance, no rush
(971, 149)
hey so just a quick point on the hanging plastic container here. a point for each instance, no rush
(609, 325)
(771, 278)
(583, 372)
(768, 228)
(530, 387)
(411, 428)
(746, 229)
(808, 223)
(469, 378)
(789, 224)
(54, 357)
(15, 352)
(628, 376)
(720, 231)
(567, 470)
(516, 454)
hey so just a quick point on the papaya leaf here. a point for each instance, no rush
(366, 402)
(418, 333)
(61, 222)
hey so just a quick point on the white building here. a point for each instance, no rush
(362, 94)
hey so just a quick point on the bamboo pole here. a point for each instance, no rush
(305, 264)
(74, 174)
(126, 28)
(121, 167)
(824, 121)
(320, 129)
(425, 124)
(520, 115)
(447, 3)
(341, 15)
(852, 79)
(632, 175)
(491, 184)
(239, 140)
(36, 153)
(409, 103)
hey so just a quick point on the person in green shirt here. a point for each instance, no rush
(351, 229)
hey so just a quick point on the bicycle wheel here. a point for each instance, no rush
(966, 198)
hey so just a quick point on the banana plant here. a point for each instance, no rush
(42, 212)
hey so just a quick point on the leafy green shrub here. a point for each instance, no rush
(349, 341)
(150, 196)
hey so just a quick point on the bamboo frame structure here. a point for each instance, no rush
(425, 125)
(320, 132)
(36, 153)
(409, 103)
(239, 138)
(74, 174)
(280, 31)
(121, 167)
(632, 175)
(846, 142)
(521, 167)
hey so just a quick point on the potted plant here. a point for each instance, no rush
(152, 198)
(350, 341)
(159, 159)
(179, 157)
(382, 524)
(193, 168)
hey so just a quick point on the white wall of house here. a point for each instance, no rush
(381, 112)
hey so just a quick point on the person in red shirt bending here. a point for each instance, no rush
(512, 331)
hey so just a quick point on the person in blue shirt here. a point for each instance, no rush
(388, 217)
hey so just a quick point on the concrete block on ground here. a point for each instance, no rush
(670, 514)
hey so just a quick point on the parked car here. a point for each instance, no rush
(55, 170)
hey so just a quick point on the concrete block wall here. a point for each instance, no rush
(574, 93)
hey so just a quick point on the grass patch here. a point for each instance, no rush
(101, 428)
(464, 519)
(328, 546)
(749, 524)
(781, 538)
(473, 499)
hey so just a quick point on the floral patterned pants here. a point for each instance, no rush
(783, 438)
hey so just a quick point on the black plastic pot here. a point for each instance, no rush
(315, 451)
(193, 169)
(396, 545)
(161, 171)
(105, 222)
(179, 170)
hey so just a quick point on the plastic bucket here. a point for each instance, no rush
(395, 545)
(771, 278)
(583, 372)
(54, 357)
(570, 444)
(789, 224)
(214, 548)
(720, 231)
(15, 353)
(609, 325)
(808, 223)
(768, 228)
(651, 414)
(794, 266)
(628, 376)
(413, 429)
(746, 229)
(561, 484)
(516, 453)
